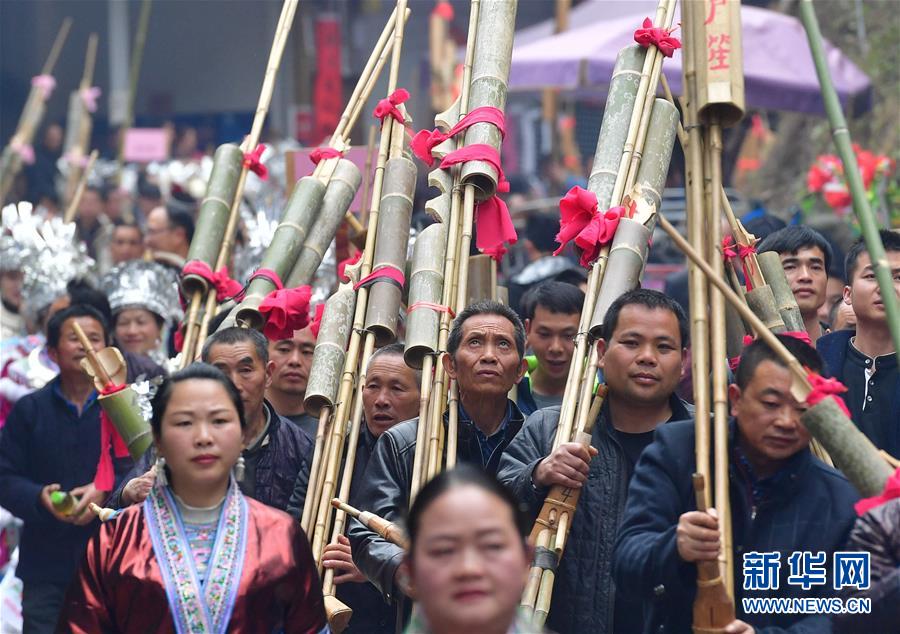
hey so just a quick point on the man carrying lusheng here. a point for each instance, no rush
(865, 359)
(783, 501)
(552, 311)
(806, 258)
(485, 354)
(642, 357)
(292, 359)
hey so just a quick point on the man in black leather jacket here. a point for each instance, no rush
(485, 354)
(782, 500)
(643, 347)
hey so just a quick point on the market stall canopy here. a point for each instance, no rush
(778, 66)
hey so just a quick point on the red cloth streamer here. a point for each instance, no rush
(658, 37)
(823, 388)
(286, 310)
(104, 479)
(439, 308)
(224, 285)
(324, 153)
(443, 9)
(580, 220)
(316, 322)
(384, 273)
(734, 362)
(179, 338)
(269, 275)
(492, 222)
(343, 264)
(891, 491)
(253, 163)
(743, 252)
(388, 107)
(425, 141)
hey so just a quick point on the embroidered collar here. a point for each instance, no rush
(195, 606)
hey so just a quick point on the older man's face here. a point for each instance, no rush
(487, 363)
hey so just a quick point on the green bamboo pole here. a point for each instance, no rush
(134, 73)
(841, 136)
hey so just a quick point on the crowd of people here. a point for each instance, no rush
(206, 535)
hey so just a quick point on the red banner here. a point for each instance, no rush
(328, 100)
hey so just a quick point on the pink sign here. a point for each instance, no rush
(356, 155)
(145, 145)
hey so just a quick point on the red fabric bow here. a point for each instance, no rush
(343, 264)
(224, 285)
(388, 107)
(104, 478)
(580, 220)
(253, 163)
(658, 37)
(425, 141)
(891, 491)
(743, 252)
(316, 322)
(286, 310)
(493, 225)
(444, 10)
(822, 388)
(324, 153)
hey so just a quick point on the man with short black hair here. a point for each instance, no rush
(169, 231)
(643, 349)
(865, 359)
(93, 227)
(292, 359)
(782, 500)
(51, 442)
(127, 242)
(806, 258)
(485, 353)
(552, 311)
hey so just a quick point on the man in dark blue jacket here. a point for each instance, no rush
(51, 442)
(783, 501)
(865, 360)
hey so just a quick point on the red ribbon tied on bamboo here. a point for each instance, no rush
(343, 264)
(253, 162)
(658, 37)
(220, 280)
(580, 220)
(822, 388)
(285, 309)
(324, 153)
(891, 491)
(44, 83)
(89, 97)
(493, 225)
(743, 252)
(425, 140)
(316, 322)
(388, 107)
(105, 477)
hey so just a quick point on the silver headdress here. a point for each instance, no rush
(45, 251)
(148, 285)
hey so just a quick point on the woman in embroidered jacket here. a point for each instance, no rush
(197, 556)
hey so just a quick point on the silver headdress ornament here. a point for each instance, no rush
(46, 251)
(148, 285)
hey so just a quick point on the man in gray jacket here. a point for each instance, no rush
(485, 354)
(642, 350)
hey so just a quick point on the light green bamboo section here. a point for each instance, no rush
(331, 350)
(124, 412)
(785, 302)
(841, 136)
(425, 286)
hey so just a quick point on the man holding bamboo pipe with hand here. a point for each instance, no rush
(783, 500)
(642, 357)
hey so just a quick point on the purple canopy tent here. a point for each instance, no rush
(778, 66)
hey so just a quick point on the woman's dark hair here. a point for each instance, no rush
(193, 371)
(461, 476)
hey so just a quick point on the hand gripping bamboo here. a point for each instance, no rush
(713, 607)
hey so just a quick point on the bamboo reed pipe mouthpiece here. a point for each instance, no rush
(383, 527)
(337, 613)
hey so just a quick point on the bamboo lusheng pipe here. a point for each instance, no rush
(553, 524)
(713, 605)
(194, 335)
(841, 136)
(72, 209)
(425, 284)
(120, 406)
(31, 117)
(785, 302)
(387, 530)
(134, 73)
(79, 122)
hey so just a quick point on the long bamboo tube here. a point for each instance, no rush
(134, 74)
(79, 123)
(72, 209)
(31, 117)
(841, 136)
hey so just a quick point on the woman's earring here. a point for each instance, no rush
(239, 469)
(161, 471)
